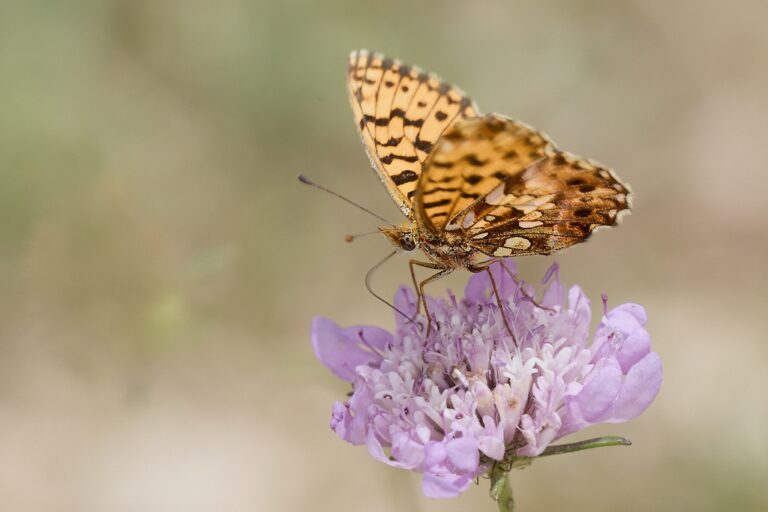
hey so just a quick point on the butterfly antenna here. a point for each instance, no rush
(351, 238)
(307, 181)
(368, 276)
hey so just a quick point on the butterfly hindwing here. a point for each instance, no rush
(401, 112)
(508, 191)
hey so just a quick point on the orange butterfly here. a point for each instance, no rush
(474, 188)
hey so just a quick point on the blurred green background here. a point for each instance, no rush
(159, 264)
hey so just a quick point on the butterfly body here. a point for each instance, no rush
(474, 188)
(447, 250)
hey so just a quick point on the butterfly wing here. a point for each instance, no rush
(510, 192)
(401, 112)
(470, 160)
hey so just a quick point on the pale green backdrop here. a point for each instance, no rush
(159, 264)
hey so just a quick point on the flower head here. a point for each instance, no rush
(449, 403)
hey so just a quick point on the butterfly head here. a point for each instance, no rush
(402, 237)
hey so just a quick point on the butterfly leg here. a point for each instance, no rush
(486, 267)
(419, 286)
(444, 272)
(483, 264)
(519, 284)
(411, 265)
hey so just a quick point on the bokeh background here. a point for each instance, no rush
(160, 265)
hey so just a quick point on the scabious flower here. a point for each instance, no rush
(449, 403)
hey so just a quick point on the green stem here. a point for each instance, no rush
(501, 490)
(597, 442)
(506, 500)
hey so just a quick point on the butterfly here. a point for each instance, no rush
(475, 188)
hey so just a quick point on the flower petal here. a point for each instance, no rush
(343, 350)
(405, 301)
(368, 336)
(600, 390)
(636, 310)
(635, 347)
(641, 385)
(554, 292)
(435, 454)
(581, 315)
(377, 451)
(510, 400)
(444, 485)
(463, 454)
(407, 451)
(621, 333)
(340, 420)
(477, 288)
(490, 440)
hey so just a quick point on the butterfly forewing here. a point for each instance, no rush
(508, 191)
(401, 112)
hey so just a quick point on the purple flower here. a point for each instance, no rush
(449, 404)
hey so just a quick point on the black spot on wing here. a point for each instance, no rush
(406, 176)
(454, 135)
(367, 118)
(440, 189)
(473, 160)
(391, 157)
(445, 179)
(393, 141)
(582, 212)
(510, 155)
(423, 145)
(397, 112)
(435, 204)
(495, 125)
(413, 122)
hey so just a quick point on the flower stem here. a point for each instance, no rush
(501, 490)
(597, 442)
(506, 500)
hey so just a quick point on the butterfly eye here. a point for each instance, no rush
(406, 242)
